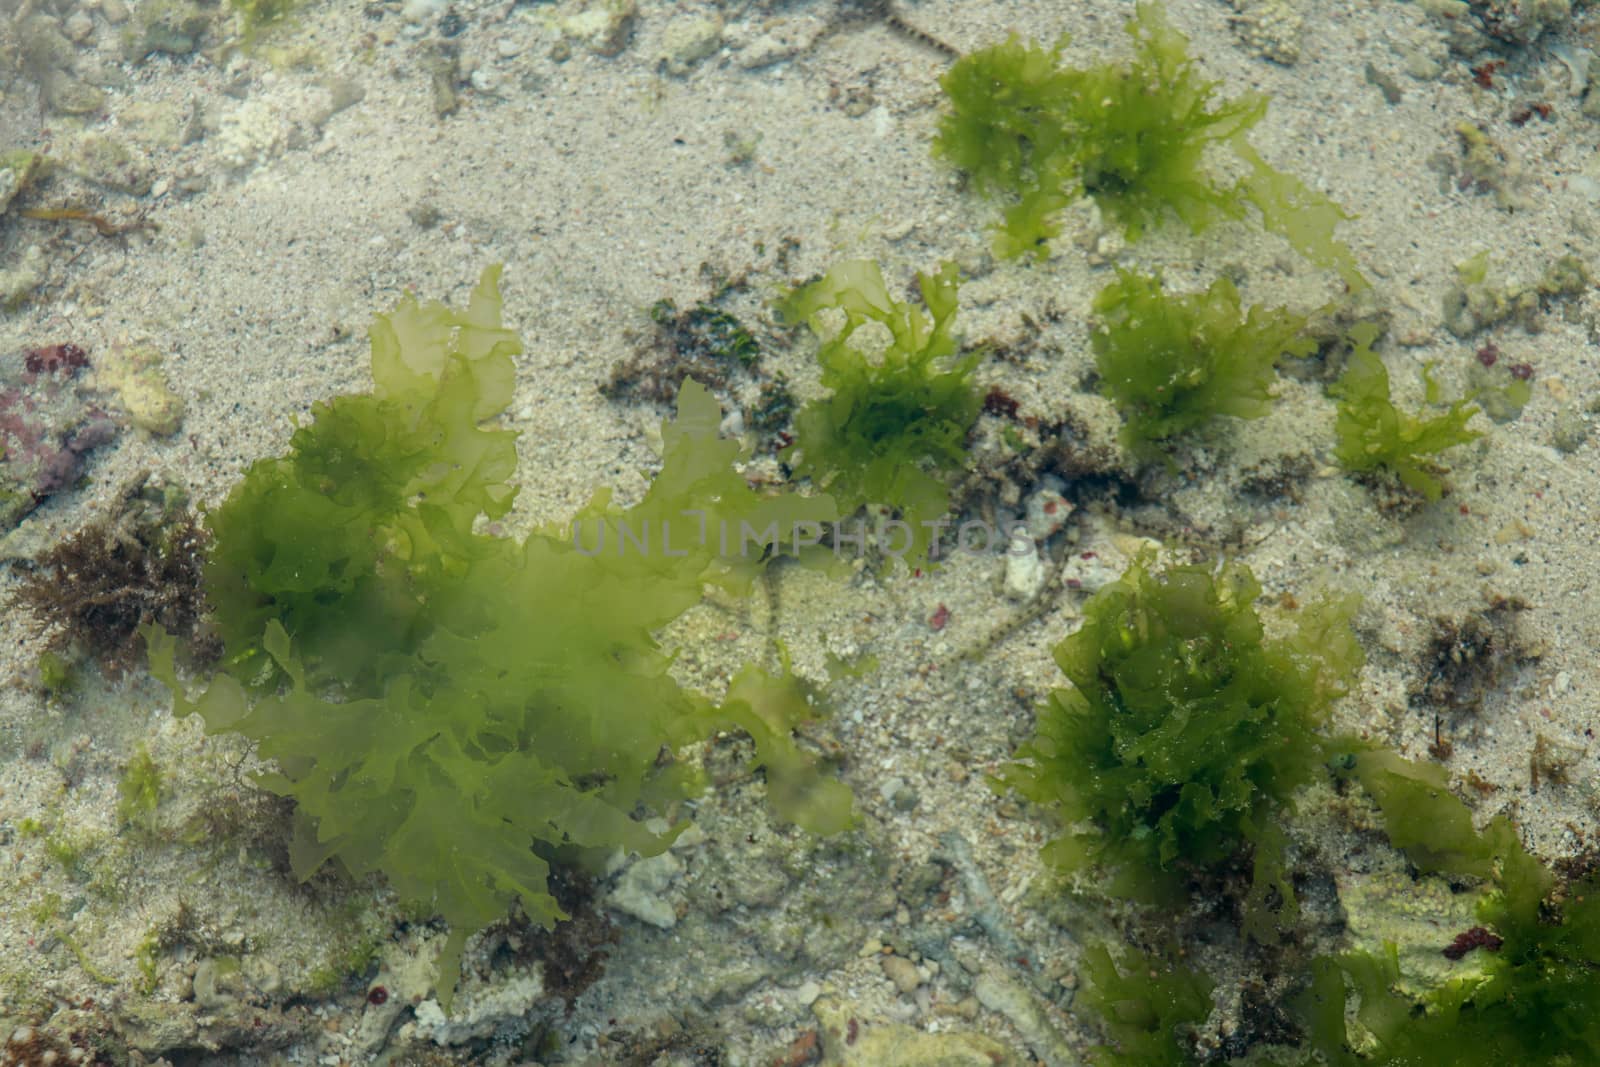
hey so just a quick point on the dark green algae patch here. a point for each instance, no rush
(1173, 760)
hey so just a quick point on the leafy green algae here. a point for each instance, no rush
(139, 790)
(1132, 135)
(1185, 731)
(1374, 434)
(455, 709)
(1532, 992)
(1177, 750)
(894, 428)
(1145, 1008)
(1173, 363)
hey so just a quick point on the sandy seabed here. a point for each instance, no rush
(361, 152)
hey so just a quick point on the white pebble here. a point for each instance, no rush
(1025, 575)
(421, 10)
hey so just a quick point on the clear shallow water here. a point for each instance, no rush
(264, 204)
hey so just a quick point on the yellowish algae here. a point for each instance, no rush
(134, 373)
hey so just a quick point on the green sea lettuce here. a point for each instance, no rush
(1374, 434)
(1184, 732)
(1133, 135)
(457, 709)
(893, 430)
(1530, 992)
(1173, 363)
(1145, 1009)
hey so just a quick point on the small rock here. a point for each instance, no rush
(605, 26)
(639, 889)
(108, 161)
(687, 42)
(66, 94)
(48, 424)
(1025, 574)
(135, 374)
(420, 11)
(1090, 572)
(263, 975)
(767, 50)
(217, 982)
(858, 100)
(17, 281)
(900, 796)
(1270, 28)
(851, 1037)
(443, 66)
(342, 93)
(173, 28)
(1570, 431)
(1001, 993)
(896, 231)
(1045, 512)
(424, 215)
(79, 26)
(490, 1011)
(903, 973)
(1421, 66)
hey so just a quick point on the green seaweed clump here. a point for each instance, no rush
(1374, 434)
(1173, 363)
(1528, 992)
(1145, 1009)
(256, 16)
(140, 790)
(894, 430)
(1133, 135)
(455, 709)
(1184, 733)
(1006, 130)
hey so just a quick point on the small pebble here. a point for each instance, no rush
(1570, 431)
(79, 26)
(687, 42)
(903, 973)
(1025, 575)
(1045, 512)
(417, 11)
